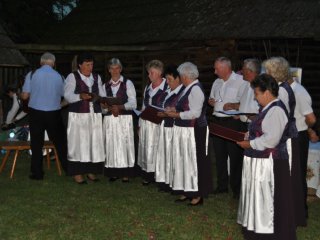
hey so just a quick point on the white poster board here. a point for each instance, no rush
(296, 74)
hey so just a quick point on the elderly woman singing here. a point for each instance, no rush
(191, 166)
(265, 206)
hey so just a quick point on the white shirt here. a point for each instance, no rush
(229, 91)
(303, 105)
(70, 86)
(248, 104)
(196, 100)
(131, 92)
(152, 92)
(273, 126)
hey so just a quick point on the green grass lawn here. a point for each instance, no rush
(58, 208)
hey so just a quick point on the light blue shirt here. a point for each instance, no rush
(45, 87)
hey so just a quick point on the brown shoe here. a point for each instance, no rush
(92, 177)
(79, 179)
(196, 201)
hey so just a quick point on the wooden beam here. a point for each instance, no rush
(120, 48)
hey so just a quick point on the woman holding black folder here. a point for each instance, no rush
(154, 95)
(163, 154)
(118, 124)
(279, 68)
(265, 206)
(191, 167)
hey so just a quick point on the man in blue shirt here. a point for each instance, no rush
(44, 88)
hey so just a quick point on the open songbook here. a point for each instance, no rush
(226, 133)
(111, 100)
(235, 112)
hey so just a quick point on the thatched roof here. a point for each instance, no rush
(127, 22)
(9, 55)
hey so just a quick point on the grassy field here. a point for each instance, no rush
(58, 208)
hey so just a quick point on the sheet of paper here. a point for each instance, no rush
(137, 112)
(235, 112)
(158, 108)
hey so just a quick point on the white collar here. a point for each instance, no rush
(85, 77)
(161, 86)
(120, 79)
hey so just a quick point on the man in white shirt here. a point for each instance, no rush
(228, 88)
(250, 70)
(305, 118)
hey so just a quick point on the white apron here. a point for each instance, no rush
(148, 140)
(119, 141)
(256, 204)
(184, 165)
(85, 138)
(163, 155)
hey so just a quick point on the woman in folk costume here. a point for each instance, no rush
(265, 206)
(279, 69)
(154, 95)
(191, 167)
(118, 125)
(163, 155)
(85, 138)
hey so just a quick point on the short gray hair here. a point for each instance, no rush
(47, 58)
(253, 65)
(114, 61)
(278, 68)
(189, 70)
(225, 61)
(157, 64)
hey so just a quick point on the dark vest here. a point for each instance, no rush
(255, 130)
(82, 106)
(183, 105)
(172, 102)
(293, 131)
(122, 94)
(157, 99)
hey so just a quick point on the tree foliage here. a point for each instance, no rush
(26, 20)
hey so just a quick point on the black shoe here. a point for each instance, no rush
(93, 179)
(125, 180)
(112, 179)
(145, 183)
(35, 177)
(200, 202)
(219, 191)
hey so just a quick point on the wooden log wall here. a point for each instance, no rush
(300, 53)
